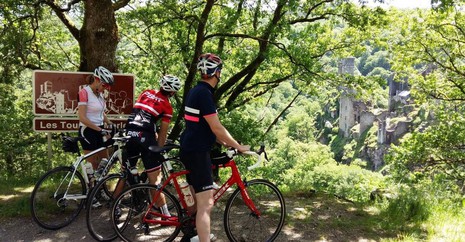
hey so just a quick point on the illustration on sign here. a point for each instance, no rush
(55, 101)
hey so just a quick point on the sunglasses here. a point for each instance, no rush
(106, 86)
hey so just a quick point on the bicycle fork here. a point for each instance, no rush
(72, 196)
(248, 201)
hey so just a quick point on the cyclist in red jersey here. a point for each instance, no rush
(203, 128)
(151, 107)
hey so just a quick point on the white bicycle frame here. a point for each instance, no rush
(79, 162)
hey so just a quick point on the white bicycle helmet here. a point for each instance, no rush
(104, 75)
(208, 64)
(170, 83)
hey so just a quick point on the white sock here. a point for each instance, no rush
(164, 210)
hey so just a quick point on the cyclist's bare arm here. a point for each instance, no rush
(163, 133)
(223, 135)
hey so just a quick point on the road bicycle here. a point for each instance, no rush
(98, 217)
(255, 210)
(60, 194)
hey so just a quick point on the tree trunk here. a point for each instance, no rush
(98, 36)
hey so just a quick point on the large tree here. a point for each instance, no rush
(92, 23)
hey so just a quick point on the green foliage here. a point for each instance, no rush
(420, 203)
(337, 146)
(289, 153)
(351, 182)
(410, 206)
(15, 196)
(428, 53)
(244, 128)
(438, 149)
(378, 60)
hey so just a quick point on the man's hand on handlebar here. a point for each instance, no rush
(243, 148)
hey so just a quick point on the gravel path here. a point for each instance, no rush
(25, 229)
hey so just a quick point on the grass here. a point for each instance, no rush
(331, 219)
(14, 197)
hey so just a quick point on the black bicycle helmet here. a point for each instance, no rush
(170, 83)
(104, 75)
(208, 64)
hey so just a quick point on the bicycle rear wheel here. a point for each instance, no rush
(130, 209)
(241, 224)
(49, 208)
(98, 217)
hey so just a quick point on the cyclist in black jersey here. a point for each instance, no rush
(203, 129)
(151, 108)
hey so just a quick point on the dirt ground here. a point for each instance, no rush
(308, 219)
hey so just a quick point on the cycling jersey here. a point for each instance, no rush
(197, 135)
(149, 108)
(95, 105)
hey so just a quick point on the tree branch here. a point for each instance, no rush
(120, 4)
(64, 17)
(200, 39)
(282, 113)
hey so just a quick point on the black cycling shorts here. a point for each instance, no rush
(139, 144)
(200, 166)
(92, 139)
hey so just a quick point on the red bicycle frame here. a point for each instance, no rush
(235, 178)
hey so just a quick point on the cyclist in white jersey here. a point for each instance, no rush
(91, 112)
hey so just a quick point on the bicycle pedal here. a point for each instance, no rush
(145, 227)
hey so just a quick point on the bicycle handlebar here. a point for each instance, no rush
(232, 152)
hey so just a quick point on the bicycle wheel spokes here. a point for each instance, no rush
(241, 224)
(130, 209)
(98, 217)
(50, 209)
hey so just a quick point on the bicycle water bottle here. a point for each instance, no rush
(101, 167)
(187, 194)
(135, 175)
(90, 174)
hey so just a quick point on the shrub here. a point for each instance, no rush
(351, 182)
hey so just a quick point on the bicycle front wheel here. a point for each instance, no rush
(53, 204)
(99, 208)
(242, 224)
(129, 215)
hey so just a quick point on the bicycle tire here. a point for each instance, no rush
(130, 208)
(98, 219)
(241, 224)
(48, 208)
